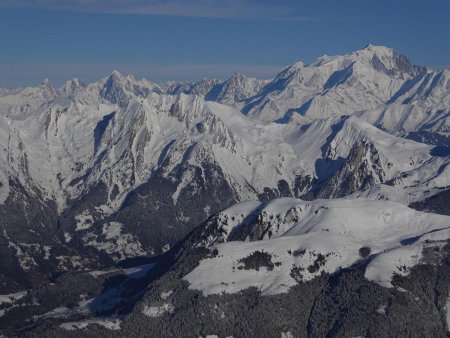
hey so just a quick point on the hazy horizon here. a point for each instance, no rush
(179, 40)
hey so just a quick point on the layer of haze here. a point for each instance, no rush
(187, 40)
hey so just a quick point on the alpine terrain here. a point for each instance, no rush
(313, 204)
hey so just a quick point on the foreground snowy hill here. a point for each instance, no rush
(298, 240)
(296, 268)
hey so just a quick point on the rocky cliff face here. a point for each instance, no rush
(361, 170)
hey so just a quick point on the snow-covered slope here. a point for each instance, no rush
(275, 245)
(420, 110)
(403, 119)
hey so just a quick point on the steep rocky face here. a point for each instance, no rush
(113, 91)
(361, 170)
(120, 89)
(72, 87)
(400, 65)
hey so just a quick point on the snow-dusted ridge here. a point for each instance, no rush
(400, 96)
(123, 146)
(302, 239)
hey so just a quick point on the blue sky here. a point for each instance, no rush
(187, 40)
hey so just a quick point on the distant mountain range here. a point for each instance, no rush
(229, 194)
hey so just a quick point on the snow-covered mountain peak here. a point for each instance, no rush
(115, 78)
(378, 49)
(334, 85)
(4, 91)
(295, 66)
(47, 82)
(235, 90)
(114, 89)
(390, 62)
(379, 58)
(238, 75)
(116, 74)
(47, 89)
(203, 86)
(72, 86)
(120, 89)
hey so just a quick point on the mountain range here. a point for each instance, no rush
(150, 207)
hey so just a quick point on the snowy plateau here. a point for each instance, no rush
(316, 203)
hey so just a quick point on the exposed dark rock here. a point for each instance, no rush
(364, 251)
(151, 212)
(428, 137)
(357, 173)
(257, 260)
(438, 203)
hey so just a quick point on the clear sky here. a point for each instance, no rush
(187, 40)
